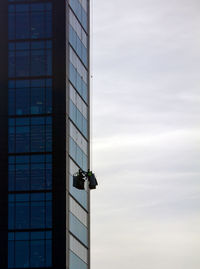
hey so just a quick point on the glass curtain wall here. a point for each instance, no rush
(78, 130)
(30, 134)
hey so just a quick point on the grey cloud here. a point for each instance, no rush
(145, 212)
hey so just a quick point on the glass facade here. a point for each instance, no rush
(47, 138)
(30, 134)
(78, 131)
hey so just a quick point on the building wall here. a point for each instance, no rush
(30, 106)
(78, 109)
(44, 137)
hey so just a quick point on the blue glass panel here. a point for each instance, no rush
(85, 162)
(48, 234)
(72, 37)
(48, 25)
(37, 138)
(11, 26)
(37, 25)
(48, 196)
(48, 176)
(38, 196)
(78, 47)
(22, 139)
(11, 236)
(22, 236)
(48, 138)
(84, 127)
(22, 215)
(49, 63)
(72, 74)
(22, 159)
(37, 158)
(48, 6)
(11, 159)
(49, 82)
(11, 8)
(37, 235)
(11, 215)
(11, 83)
(37, 177)
(79, 120)
(22, 254)
(37, 100)
(78, 229)
(11, 122)
(48, 214)
(75, 262)
(38, 121)
(11, 139)
(11, 64)
(72, 111)
(48, 100)
(22, 101)
(37, 7)
(22, 8)
(79, 157)
(11, 197)
(11, 253)
(11, 104)
(22, 121)
(48, 253)
(37, 215)
(38, 63)
(84, 91)
(22, 83)
(38, 82)
(84, 19)
(22, 63)
(22, 45)
(72, 148)
(22, 197)
(79, 82)
(48, 120)
(11, 177)
(22, 177)
(48, 158)
(84, 55)
(38, 45)
(22, 25)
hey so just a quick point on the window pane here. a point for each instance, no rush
(78, 229)
(22, 63)
(37, 215)
(11, 215)
(37, 100)
(22, 25)
(22, 101)
(37, 177)
(22, 254)
(37, 253)
(75, 262)
(48, 253)
(37, 138)
(22, 139)
(37, 25)
(22, 215)
(22, 177)
(48, 214)
(11, 254)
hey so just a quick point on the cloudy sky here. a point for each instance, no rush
(146, 134)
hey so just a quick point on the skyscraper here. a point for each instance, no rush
(44, 133)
